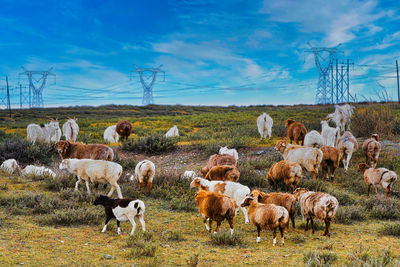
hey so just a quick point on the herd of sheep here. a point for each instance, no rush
(220, 195)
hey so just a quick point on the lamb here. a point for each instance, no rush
(285, 171)
(218, 160)
(329, 134)
(313, 139)
(36, 171)
(124, 129)
(144, 173)
(296, 131)
(264, 125)
(111, 135)
(71, 129)
(347, 145)
(99, 171)
(371, 148)
(265, 216)
(308, 157)
(330, 161)
(231, 189)
(378, 177)
(172, 132)
(226, 151)
(342, 116)
(223, 173)
(67, 149)
(44, 133)
(189, 175)
(317, 205)
(122, 210)
(215, 207)
(10, 166)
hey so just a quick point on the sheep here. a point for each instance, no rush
(122, 210)
(330, 161)
(124, 129)
(231, 189)
(10, 166)
(264, 125)
(371, 148)
(67, 149)
(144, 173)
(314, 139)
(347, 145)
(286, 200)
(217, 160)
(189, 175)
(224, 173)
(342, 116)
(111, 135)
(317, 205)
(71, 129)
(296, 131)
(172, 132)
(285, 171)
(329, 134)
(48, 132)
(215, 207)
(308, 157)
(226, 151)
(54, 138)
(90, 170)
(378, 177)
(36, 171)
(265, 216)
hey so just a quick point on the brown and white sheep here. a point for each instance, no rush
(144, 173)
(347, 145)
(372, 148)
(285, 171)
(215, 207)
(218, 160)
(124, 129)
(223, 173)
(296, 131)
(68, 149)
(378, 177)
(330, 161)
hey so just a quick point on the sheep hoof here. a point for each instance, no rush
(258, 239)
(215, 233)
(246, 222)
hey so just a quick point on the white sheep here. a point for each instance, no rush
(226, 151)
(111, 135)
(189, 175)
(37, 171)
(313, 139)
(10, 166)
(49, 132)
(329, 134)
(145, 170)
(347, 145)
(342, 116)
(71, 129)
(172, 132)
(264, 125)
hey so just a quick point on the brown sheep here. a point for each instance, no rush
(216, 207)
(378, 177)
(124, 129)
(285, 171)
(223, 173)
(296, 131)
(330, 160)
(372, 148)
(68, 150)
(218, 160)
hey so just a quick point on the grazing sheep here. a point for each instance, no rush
(266, 216)
(172, 132)
(347, 145)
(329, 134)
(285, 171)
(378, 177)
(218, 160)
(226, 151)
(122, 210)
(67, 149)
(36, 171)
(372, 148)
(111, 135)
(264, 125)
(308, 157)
(330, 161)
(95, 171)
(317, 205)
(342, 116)
(189, 175)
(144, 173)
(124, 129)
(296, 131)
(223, 173)
(10, 166)
(57, 134)
(215, 207)
(231, 189)
(47, 133)
(313, 139)
(71, 129)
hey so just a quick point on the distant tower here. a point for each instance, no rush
(148, 87)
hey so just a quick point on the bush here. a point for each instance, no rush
(382, 208)
(153, 144)
(316, 259)
(173, 235)
(73, 216)
(60, 182)
(373, 119)
(348, 214)
(313, 185)
(183, 203)
(193, 261)
(142, 245)
(390, 229)
(362, 258)
(226, 239)
(343, 197)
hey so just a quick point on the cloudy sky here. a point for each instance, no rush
(212, 52)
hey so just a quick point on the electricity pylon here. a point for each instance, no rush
(148, 87)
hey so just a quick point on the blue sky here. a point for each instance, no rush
(213, 52)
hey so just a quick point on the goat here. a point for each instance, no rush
(224, 173)
(218, 160)
(314, 139)
(371, 148)
(124, 129)
(285, 171)
(144, 173)
(111, 135)
(329, 134)
(347, 145)
(68, 149)
(330, 160)
(264, 125)
(296, 131)
(378, 177)
(71, 129)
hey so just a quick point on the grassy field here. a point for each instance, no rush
(44, 222)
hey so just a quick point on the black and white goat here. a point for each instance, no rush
(122, 210)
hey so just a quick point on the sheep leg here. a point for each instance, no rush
(111, 191)
(274, 241)
(210, 223)
(141, 184)
(116, 186)
(246, 217)
(87, 187)
(312, 225)
(105, 225)
(258, 233)
(376, 190)
(327, 224)
(292, 219)
(306, 229)
(230, 221)
(149, 185)
(77, 183)
(205, 223)
(132, 220)
(369, 189)
(118, 229)
(282, 237)
(142, 222)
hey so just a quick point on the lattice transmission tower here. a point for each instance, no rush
(148, 86)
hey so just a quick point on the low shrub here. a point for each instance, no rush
(343, 197)
(142, 244)
(390, 229)
(153, 144)
(28, 203)
(349, 214)
(313, 185)
(226, 239)
(317, 259)
(184, 203)
(173, 235)
(373, 119)
(87, 215)
(60, 182)
(318, 226)
(363, 258)
(193, 261)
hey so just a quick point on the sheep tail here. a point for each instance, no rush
(330, 206)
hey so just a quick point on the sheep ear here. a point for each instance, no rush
(259, 198)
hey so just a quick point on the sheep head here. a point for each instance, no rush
(195, 183)
(288, 122)
(375, 136)
(281, 145)
(362, 167)
(247, 201)
(299, 192)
